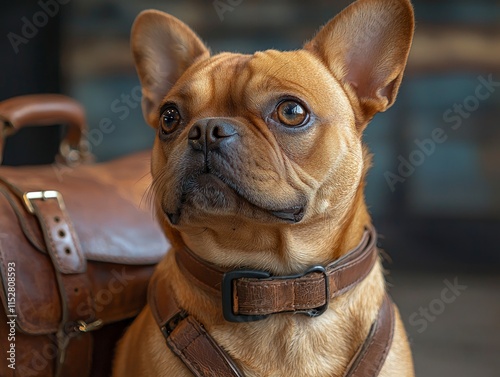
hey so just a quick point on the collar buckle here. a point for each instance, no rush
(228, 293)
(172, 323)
(316, 312)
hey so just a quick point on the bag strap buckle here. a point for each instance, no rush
(42, 195)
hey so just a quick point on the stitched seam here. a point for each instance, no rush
(360, 259)
(347, 287)
(355, 262)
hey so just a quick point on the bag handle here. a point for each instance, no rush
(44, 110)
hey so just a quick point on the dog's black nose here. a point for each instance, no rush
(208, 134)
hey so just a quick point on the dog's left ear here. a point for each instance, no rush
(163, 48)
(366, 47)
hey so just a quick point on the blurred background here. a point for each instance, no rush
(434, 189)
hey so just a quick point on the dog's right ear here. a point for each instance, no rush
(163, 48)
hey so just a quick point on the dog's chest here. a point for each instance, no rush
(292, 346)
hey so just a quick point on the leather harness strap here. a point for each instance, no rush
(187, 338)
(201, 354)
(371, 356)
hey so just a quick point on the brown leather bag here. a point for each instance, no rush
(76, 250)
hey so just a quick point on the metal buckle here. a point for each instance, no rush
(227, 294)
(316, 312)
(42, 195)
(83, 326)
(172, 323)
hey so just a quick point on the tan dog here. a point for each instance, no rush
(258, 162)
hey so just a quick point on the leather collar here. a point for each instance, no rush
(250, 295)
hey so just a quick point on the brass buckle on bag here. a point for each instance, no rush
(86, 327)
(42, 195)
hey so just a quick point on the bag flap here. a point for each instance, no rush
(104, 204)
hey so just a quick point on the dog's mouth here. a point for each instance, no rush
(294, 214)
(214, 194)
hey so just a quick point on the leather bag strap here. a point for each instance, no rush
(257, 297)
(60, 236)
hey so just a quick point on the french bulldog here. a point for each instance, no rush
(258, 162)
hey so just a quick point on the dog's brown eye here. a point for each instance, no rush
(169, 120)
(291, 113)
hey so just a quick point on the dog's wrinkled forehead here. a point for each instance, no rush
(222, 84)
(205, 85)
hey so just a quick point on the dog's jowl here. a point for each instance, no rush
(259, 170)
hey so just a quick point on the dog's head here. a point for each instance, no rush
(270, 139)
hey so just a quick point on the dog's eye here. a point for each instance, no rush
(170, 119)
(291, 113)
